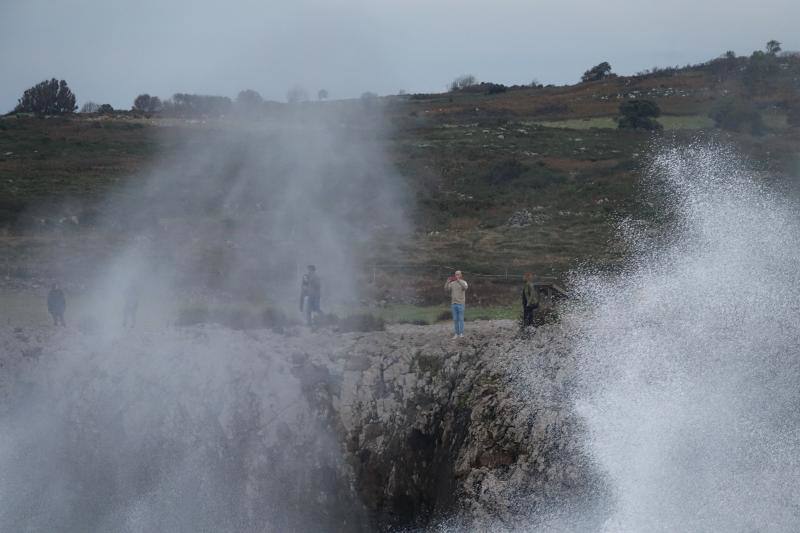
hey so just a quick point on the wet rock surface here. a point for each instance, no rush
(409, 428)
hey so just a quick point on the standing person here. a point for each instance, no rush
(530, 300)
(131, 306)
(310, 292)
(57, 304)
(457, 288)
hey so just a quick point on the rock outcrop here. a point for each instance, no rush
(430, 430)
(479, 428)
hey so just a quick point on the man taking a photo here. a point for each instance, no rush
(457, 288)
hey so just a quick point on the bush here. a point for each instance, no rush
(463, 82)
(734, 114)
(496, 88)
(597, 72)
(105, 109)
(760, 72)
(147, 104)
(52, 97)
(639, 114)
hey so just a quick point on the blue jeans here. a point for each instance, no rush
(458, 318)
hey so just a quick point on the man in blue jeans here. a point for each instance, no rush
(457, 288)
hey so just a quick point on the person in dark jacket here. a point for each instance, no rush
(530, 300)
(56, 304)
(310, 292)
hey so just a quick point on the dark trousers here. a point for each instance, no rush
(312, 306)
(527, 315)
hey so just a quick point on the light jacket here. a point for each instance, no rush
(457, 290)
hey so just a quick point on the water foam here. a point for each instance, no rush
(689, 357)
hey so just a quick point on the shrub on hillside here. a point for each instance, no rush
(51, 97)
(147, 104)
(597, 72)
(773, 47)
(249, 98)
(105, 109)
(734, 114)
(496, 88)
(639, 114)
(762, 68)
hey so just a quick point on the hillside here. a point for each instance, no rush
(532, 178)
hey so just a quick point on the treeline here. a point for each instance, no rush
(764, 70)
(754, 71)
(198, 105)
(54, 97)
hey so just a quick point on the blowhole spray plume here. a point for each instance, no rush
(689, 357)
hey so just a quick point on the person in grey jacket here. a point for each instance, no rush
(457, 287)
(310, 292)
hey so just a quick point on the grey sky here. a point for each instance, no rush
(112, 50)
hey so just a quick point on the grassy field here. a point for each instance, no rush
(29, 308)
(685, 122)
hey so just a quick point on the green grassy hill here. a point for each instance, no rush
(551, 157)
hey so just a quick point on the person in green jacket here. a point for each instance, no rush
(530, 300)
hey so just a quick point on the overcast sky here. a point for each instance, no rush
(111, 50)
